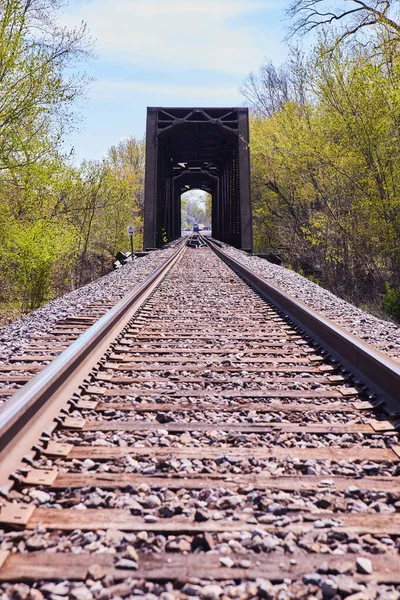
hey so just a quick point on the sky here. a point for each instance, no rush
(168, 53)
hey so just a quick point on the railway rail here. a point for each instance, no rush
(195, 441)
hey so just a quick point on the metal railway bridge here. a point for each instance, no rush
(198, 148)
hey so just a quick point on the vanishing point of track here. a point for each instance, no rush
(200, 436)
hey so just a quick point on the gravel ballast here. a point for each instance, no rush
(112, 286)
(383, 335)
(190, 485)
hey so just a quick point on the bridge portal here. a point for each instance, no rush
(202, 148)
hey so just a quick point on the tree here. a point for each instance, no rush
(272, 87)
(60, 226)
(326, 173)
(36, 92)
(354, 16)
(126, 163)
(268, 90)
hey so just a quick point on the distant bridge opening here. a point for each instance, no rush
(202, 148)
(196, 207)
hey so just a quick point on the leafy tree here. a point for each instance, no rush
(326, 171)
(37, 98)
(126, 185)
(60, 226)
(37, 93)
(32, 253)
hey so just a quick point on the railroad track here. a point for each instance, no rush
(194, 442)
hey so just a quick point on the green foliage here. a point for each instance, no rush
(326, 167)
(391, 301)
(60, 226)
(29, 255)
(106, 197)
(37, 93)
(125, 182)
(314, 279)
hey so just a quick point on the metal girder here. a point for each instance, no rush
(205, 148)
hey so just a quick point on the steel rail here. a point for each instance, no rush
(379, 373)
(32, 409)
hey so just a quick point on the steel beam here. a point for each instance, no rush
(246, 223)
(213, 142)
(150, 180)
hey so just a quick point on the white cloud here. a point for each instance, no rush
(180, 34)
(114, 89)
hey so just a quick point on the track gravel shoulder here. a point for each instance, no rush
(111, 287)
(383, 335)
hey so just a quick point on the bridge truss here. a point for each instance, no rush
(198, 148)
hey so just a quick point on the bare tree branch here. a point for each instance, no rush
(268, 90)
(353, 16)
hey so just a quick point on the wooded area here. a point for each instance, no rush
(60, 225)
(325, 143)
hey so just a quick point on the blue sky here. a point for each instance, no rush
(168, 53)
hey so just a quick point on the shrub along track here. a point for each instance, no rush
(211, 451)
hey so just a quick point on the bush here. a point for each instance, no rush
(28, 258)
(391, 301)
